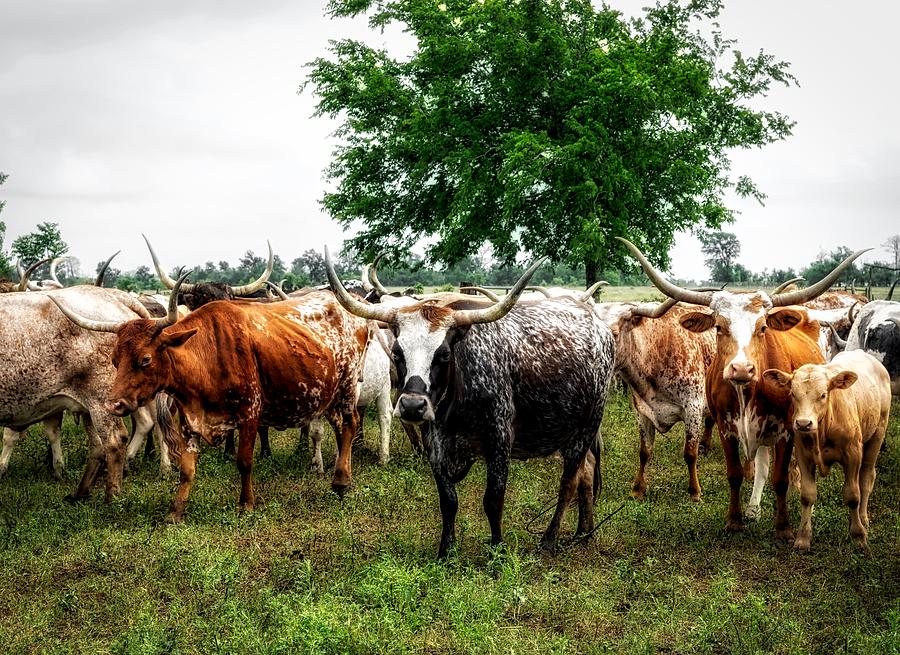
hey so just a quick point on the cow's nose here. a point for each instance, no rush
(803, 424)
(412, 407)
(117, 407)
(742, 373)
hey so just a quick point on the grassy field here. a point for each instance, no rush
(308, 573)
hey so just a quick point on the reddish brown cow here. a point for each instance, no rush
(752, 413)
(243, 365)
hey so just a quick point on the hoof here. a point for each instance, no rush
(174, 518)
(801, 545)
(317, 470)
(340, 489)
(245, 508)
(785, 534)
(734, 525)
(697, 496)
(639, 493)
(546, 548)
(752, 512)
(74, 499)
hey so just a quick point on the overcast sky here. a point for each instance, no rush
(182, 120)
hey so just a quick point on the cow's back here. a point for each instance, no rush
(545, 367)
(868, 400)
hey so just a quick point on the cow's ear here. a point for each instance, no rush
(777, 377)
(843, 380)
(454, 334)
(783, 318)
(175, 339)
(697, 321)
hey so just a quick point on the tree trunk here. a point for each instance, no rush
(591, 273)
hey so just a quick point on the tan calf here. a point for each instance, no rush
(840, 414)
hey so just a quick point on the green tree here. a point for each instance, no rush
(546, 126)
(721, 250)
(826, 262)
(5, 266)
(45, 241)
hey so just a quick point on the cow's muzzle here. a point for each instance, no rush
(804, 425)
(414, 408)
(119, 407)
(740, 373)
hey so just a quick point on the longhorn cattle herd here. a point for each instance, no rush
(519, 376)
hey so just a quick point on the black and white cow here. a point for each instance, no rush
(877, 331)
(497, 381)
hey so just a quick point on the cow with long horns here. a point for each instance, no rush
(499, 381)
(754, 332)
(50, 366)
(197, 295)
(241, 365)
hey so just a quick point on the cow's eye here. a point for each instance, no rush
(822, 397)
(762, 329)
(443, 356)
(718, 329)
(145, 360)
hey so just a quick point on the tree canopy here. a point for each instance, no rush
(5, 268)
(45, 241)
(721, 250)
(546, 126)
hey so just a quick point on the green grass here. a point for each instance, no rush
(308, 573)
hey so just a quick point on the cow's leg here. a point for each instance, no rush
(449, 506)
(265, 448)
(246, 445)
(165, 462)
(383, 405)
(871, 450)
(53, 430)
(142, 422)
(706, 441)
(343, 465)
(852, 465)
(229, 443)
(567, 487)
(760, 475)
(187, 452)
(693, 426)
(808, 494)
(94, 461)
(497, 465)
(116, 438)
(10, 439)
(780, 483)
(734, 521)
(316, 431)
(647, 432)
(586, 495)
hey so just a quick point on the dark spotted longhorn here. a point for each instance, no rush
(496, 381)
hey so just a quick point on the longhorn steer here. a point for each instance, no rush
(50, 366)
(755, 332)
(242, 365)
(496, 382)
(841, 413)
(877, 331)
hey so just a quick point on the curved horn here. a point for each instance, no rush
(484, 292)
(841, 343)
(666, 305)
(281, 284)
(591, 290)
(53, 278)
(805, 295)
(24, 285)
(351, 304)
(661, 283)
(364, 277)
(464, 317)
(99, 281)
(891, 290)
(850, 315)
(172, 316)
(253, 287)
(539, 289)
(86, 323)
(373, 277)
(163, 276)
(278, 291)
(784, 285)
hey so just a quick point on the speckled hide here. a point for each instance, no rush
(664, 367)
(833, 307)
(527, 385)
(751, 413)
(876, 332)
(375, 387)
(242, 365)
(50, 365)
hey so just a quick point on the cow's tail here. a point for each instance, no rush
(597, 451)
(166, 425)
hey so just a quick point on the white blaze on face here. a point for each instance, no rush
(741, 312)
(419, 340)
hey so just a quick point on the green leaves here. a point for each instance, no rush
(548, 126)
